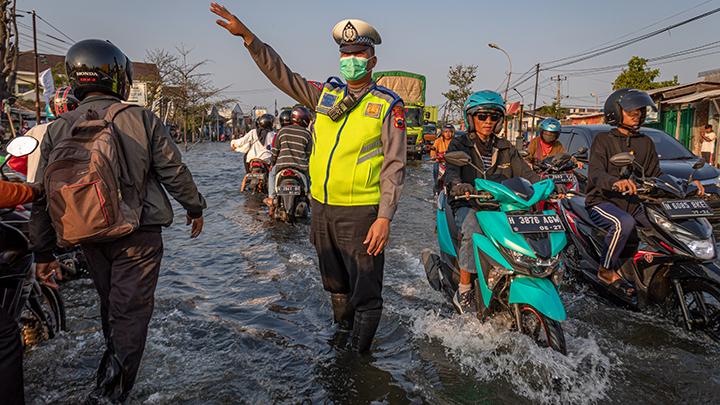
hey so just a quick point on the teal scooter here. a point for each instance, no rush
(519, 249)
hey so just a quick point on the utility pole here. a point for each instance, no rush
(559, 79)
(537, 76)
(37, 73)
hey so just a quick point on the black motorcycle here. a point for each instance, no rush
(256, 179)
(673, 263)
(290, 200)
(39, 308)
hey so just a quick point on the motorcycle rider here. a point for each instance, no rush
(611, 198)
(63, 101)
(546, 144)
(438, 149)
(483, 113)
(291, 149)
(257, 142)
(11, 350)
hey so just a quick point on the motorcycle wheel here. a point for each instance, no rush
(544, 331)
(703, 302)
(47, 311)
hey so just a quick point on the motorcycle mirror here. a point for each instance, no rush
(622, 159)
(699, 164)
(458, 158)
(561, 158)
(21, 146)
(581, 153)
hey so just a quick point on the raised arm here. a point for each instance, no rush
(269, 62)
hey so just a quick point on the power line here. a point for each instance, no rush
(597, 47)
(634, 40)
(29, 27)
(56, 29)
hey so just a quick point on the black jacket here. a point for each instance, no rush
(602, 175)
(506, 162)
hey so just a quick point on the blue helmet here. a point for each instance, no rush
(484, 100)
(550, 125)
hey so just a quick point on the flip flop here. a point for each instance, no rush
(619, 287)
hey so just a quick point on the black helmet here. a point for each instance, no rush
(285, 118)
(97, 65)
(64, 101)
(301, 116)
(266, 121)
(626, 100)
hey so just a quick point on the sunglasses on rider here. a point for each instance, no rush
(494, 116)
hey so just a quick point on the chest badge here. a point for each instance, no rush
(373, 110)
(328, 100)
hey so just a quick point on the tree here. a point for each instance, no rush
(8, 48)
(461, 78)
(165, 63)
(59, 77)
(639, 76)
(553, 110)
(194, 91)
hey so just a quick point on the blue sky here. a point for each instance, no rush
(420, 36)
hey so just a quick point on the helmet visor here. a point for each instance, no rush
(635, 100)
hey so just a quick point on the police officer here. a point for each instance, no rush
(357, 168)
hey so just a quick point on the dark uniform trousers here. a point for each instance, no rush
(125, 273)
(11, 357)
(345, 266)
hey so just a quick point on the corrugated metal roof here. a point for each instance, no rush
(691, 98)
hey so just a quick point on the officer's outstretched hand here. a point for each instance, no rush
(377, 236)
(231, 23)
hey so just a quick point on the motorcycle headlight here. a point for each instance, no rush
(529, 265)
(702, 248)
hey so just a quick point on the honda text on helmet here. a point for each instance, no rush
(549, 130)
(301, 116)
(94, 65)
(484, 104)
(64, 101)
(627, 100)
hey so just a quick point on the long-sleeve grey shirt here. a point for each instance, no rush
(392, 173)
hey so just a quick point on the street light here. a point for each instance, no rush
(509, 73)
(507, 86)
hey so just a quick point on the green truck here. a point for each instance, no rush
(411, 88)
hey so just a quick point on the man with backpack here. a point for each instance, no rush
(105, 168)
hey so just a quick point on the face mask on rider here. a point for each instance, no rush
(549, 138)
(353, 68)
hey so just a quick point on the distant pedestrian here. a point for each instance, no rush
(707, 150)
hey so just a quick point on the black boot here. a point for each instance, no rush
(366, 324)
(343, 312)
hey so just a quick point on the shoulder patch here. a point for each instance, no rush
(398, 116)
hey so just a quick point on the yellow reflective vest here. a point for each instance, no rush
(347, 154)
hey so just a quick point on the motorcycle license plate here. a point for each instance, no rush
(256, 175)
(289, 190)
(535, 223)
(563, 178)
(687, 208)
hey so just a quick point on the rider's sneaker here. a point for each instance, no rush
(463, 302)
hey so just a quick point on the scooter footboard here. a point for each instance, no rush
(539, 293)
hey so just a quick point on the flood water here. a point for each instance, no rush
(241, 317)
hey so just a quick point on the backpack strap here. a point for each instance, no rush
(115, 109)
